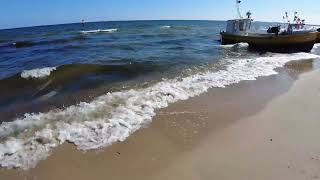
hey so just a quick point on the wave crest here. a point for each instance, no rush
(236, 46)
(38, 73)
(99, 31)
(165, 27)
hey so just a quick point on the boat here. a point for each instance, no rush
(318, 39)
(274, 40)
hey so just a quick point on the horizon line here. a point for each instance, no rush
(109, 21)
(22, 27)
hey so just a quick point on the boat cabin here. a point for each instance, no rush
(238, 26)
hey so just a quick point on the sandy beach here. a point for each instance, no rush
(264, 129)
(160, 90)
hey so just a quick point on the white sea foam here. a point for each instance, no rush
(315, 48)
(237, 46)
(165, 27)
(37, 73)
(113, 117)
(100, 31)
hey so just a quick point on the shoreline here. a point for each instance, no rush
(175, 132)
(279, 142)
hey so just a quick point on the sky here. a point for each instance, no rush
(21, 13)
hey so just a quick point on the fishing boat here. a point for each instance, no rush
(274, 39)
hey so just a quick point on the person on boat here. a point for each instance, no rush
(274, 29)
(249, 15)
(290, 29)
(82, 23)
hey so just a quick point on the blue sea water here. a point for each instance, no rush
(109, 54)
(92, 59)
(137, 41)
(94, 84)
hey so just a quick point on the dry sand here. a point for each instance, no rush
(264, 129)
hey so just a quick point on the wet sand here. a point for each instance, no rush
(264, 129)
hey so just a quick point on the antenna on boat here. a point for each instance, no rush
(238, 8)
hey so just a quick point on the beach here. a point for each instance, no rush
(122, 90)
(263, 129)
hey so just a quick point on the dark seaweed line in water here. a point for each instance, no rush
(70, 71)
(24, 44)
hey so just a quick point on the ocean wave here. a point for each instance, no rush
(165, 27)
(38, 73)
(99, 31)
(72, 79)
(124, 46)
(180, 41)
(237, 45)
(75, 70)
(182, 27)
(315, 48)
(65, 74)
(115, 116)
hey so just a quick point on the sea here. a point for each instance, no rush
(95, 84)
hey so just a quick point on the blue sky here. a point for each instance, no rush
(20, 13)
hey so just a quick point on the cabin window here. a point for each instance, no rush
(242, 26)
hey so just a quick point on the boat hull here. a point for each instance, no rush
(303, 42)
(318, 39)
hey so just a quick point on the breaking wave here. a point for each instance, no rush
(315, 47)
(129, 67)
(165, 27)
(236, 46)
(38, 73)
(114, 116)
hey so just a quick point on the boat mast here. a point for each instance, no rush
(238, 8)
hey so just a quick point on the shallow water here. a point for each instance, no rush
(97, 84)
